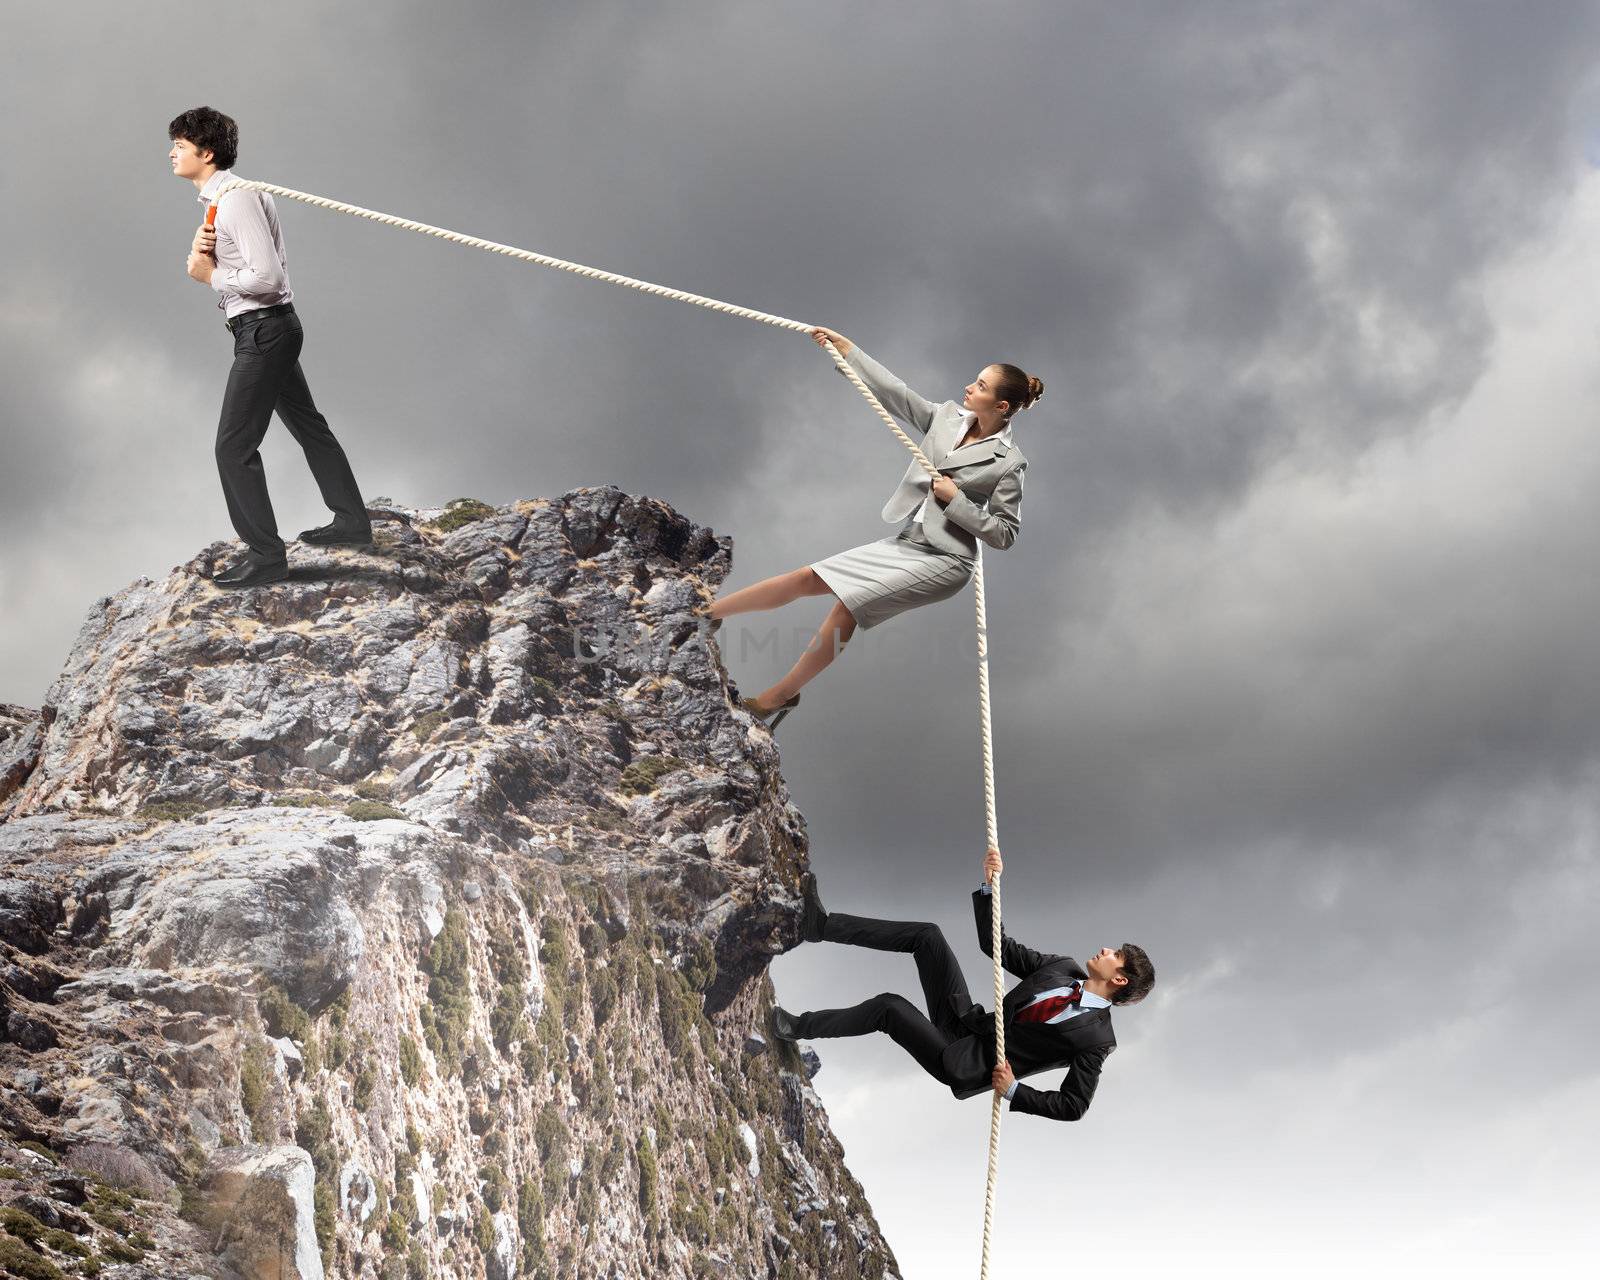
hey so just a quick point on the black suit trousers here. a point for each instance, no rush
(924, 1036)
(266, 376)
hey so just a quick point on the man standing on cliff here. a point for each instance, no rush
(1058, 1015)
(243, 261)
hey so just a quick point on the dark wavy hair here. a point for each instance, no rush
(209, 130)
(1141, 975)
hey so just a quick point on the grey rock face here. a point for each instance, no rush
(411, 917)
(21, 735)
(262, 1204)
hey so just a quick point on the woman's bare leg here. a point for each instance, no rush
(837, 628)
(771, 593)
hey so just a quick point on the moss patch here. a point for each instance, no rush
(462, 511)
(366, 1081)
(255, 1079)
(410, 1065)
(282, 1016)
(530, 1222)
(17, 1259)
(371, 811)
(172, 810)
(427, 725)
(304, 800)
(449, 1007)
(641, 776)
(23, 1225)
(122, 1251)
(646, 1154)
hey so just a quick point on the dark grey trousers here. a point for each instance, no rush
(266, 376)
(923, 1036)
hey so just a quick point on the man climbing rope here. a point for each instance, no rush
(1058, 1015)
(242, 259)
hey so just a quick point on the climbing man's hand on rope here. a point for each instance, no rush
(945, 489)
(205, 241)
(200, 266)
(1003, 1078)
(843, 343)
(991, 865)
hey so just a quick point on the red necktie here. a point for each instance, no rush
(1044, 1010)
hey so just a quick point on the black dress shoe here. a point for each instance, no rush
(783, 1024)
(249, 574)
(813, 915)
(338, 535)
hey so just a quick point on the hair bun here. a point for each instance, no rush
(1035, 390)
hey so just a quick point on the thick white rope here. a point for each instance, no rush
(728, 308)
(996, 936)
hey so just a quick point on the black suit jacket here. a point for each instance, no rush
(1080, 1044)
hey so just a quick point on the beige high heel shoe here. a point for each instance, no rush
(777, 713)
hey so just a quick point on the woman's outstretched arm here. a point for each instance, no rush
(896, 397)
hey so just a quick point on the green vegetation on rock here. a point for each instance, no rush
(427, 724)
(21, 1224)
(410, 1060)
(641, 776)
(371, 811)
(462, 511)
(17, 1259)
(530, 1222)
(255, 1080)
(366, 1081)
(305, 800)
(283, 1018)
(551, 1136)
(172, 810)
(646, 1152)
(122, 1251)
(449, 1007)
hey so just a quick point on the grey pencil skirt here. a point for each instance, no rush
(879, 579)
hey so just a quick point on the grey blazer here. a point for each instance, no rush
(989, 475)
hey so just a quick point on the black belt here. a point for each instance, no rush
(282, 309)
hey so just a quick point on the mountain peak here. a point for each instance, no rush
(412, 916)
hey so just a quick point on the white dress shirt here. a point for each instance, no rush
(1088, 1000)
(252, 267)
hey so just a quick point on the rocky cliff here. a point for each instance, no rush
(407, 918)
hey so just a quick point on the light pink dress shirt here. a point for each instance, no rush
(252, 267)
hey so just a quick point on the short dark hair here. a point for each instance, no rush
(1141, 975)
(209, 130)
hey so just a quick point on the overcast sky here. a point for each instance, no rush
(1294, 662)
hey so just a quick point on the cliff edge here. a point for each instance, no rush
(410, 918)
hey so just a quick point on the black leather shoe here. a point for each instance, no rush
(338, 535)
(783, 1024)
(813, 915)
(248, 574)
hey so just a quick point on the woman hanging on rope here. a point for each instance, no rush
(978, 495)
